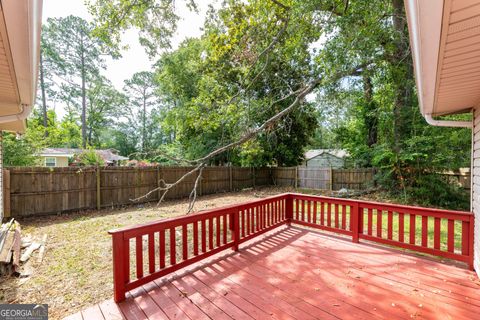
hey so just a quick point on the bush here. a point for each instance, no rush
(88, 157)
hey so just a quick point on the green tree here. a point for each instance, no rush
(19, 151)
(143, 107)
(155, 19)
(104, 104)
(80, 59)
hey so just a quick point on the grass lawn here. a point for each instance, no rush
(395, 225)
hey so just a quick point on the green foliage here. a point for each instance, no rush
(19, 152)
(155, 20)
(88, 157)
(61, 134)
(218, 89)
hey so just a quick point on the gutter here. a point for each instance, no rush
(17, 116)
(417, 43)
(447, 123)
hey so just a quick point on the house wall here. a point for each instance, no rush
(325, 161)
(476, 188)
(61, 161)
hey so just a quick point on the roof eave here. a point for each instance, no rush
(22, 25)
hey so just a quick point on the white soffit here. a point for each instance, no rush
(445, 40)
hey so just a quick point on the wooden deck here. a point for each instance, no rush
(294, 273)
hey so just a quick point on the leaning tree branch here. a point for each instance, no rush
(299, 95)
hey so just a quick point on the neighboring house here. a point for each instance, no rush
(59, 157)
(325, 158)
(444, 37)
(20, 24)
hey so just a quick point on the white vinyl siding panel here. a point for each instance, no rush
(476, 189)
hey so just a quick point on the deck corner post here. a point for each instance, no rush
(354, 222)
(119, 276)
(289, 209)
(471, 242)
(236, 229)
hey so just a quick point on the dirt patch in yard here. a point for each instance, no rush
(77, 268)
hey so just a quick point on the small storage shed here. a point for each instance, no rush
(325, 158)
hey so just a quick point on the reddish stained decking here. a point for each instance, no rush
(294, 273)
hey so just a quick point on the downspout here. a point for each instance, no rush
(447, 123)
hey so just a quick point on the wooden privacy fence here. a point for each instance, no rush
(315, 178)
(146, 252)
(324, 178)
(461, 177)
(39, 190)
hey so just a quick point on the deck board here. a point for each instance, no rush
(295, 273)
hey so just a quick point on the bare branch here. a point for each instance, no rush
(193, 194)
(165, 187)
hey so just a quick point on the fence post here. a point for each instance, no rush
(99, 203)
(120, 276)
(253, 173)
(331, 178)
(470, 242)
(296, 177)
(6, 193)
(289, 209)
(230, 174)
(354, 221)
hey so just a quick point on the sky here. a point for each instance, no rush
(134, 59)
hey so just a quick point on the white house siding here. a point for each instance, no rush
(476, 188)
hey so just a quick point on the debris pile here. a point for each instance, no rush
(16, 252)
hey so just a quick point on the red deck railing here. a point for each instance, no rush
(147, 252)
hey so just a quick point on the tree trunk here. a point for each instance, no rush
(84, 100)
(402, 70)
(44, 98)
(144, 120)
(370, 111)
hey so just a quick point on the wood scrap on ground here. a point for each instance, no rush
(41, 252)
(26, 255)
(12, 261)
